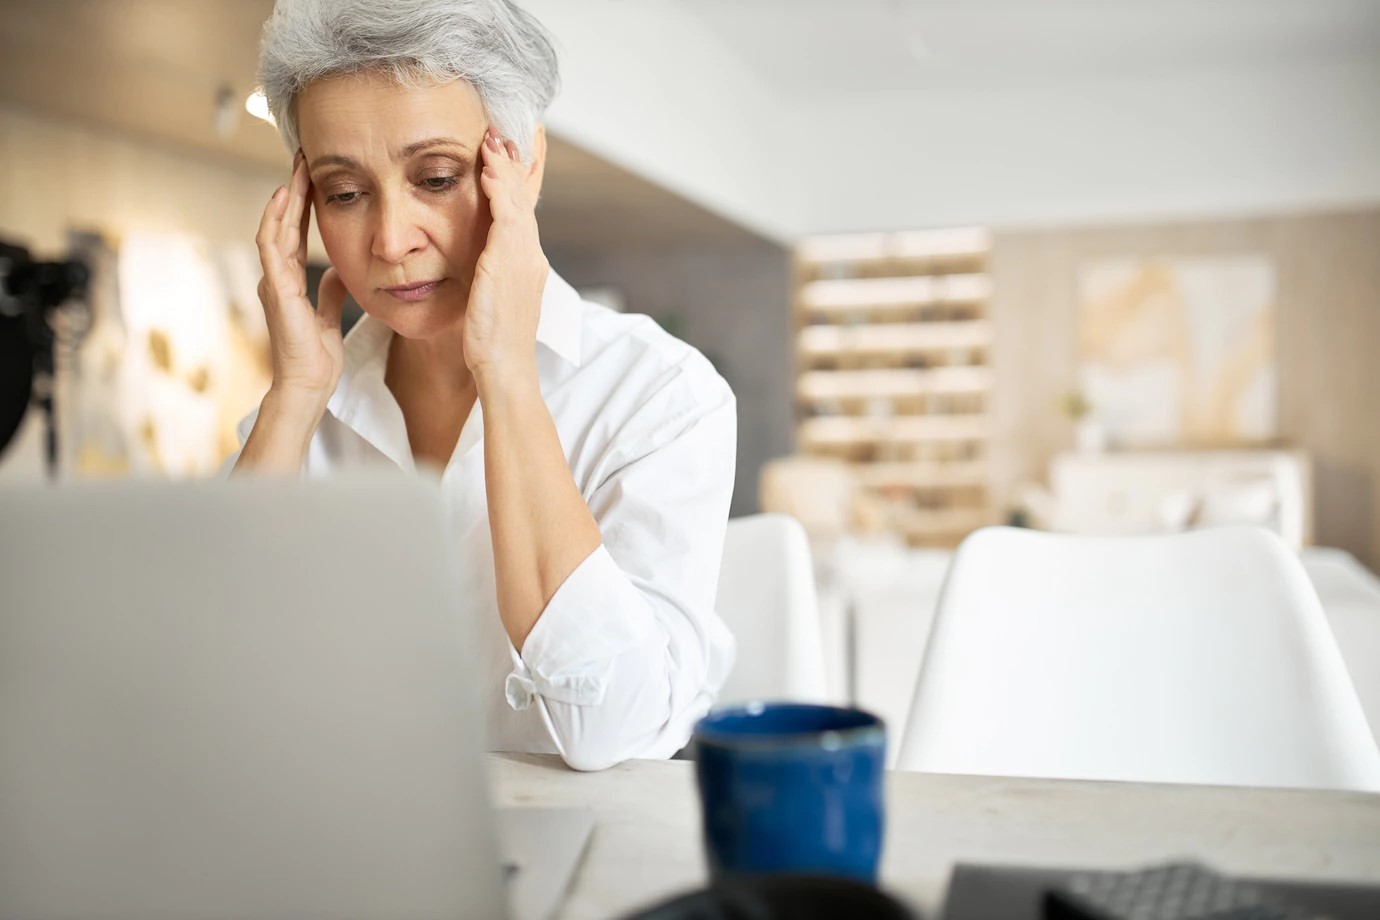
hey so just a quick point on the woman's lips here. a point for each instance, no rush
(411, 293)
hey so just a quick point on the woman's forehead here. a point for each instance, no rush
(370, 113)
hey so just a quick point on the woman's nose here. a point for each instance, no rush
(397, 234)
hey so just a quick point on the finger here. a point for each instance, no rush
(289, 229)
(500, 202)
(490, 153)
(493, 147)
(292, 216)
(330, 298)
(268, 224)
(305, 225)
(267, 237)
(502, 178)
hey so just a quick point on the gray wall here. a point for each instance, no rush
(733, 304)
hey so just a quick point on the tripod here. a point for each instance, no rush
(31, 295)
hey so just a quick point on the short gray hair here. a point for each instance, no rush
(500, 50)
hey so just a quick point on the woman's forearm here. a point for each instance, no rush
(278, 443)
(541, 527)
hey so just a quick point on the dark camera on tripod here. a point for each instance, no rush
(30, 291)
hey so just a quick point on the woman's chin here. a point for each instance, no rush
(422, 320)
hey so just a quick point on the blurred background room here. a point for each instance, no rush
(1099, 267)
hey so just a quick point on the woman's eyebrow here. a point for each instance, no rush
(333, 159)
(337, 159)
(413, 148)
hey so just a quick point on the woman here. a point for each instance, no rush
(587, 457)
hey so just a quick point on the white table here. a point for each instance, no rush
(646, 843)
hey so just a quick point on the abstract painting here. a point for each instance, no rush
(1179, 351)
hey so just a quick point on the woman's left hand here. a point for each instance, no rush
(505, 298)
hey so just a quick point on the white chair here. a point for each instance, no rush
(767, 598)
(1202, 657)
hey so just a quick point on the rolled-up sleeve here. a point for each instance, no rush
(585, 627)
(629, 652)
(246, 425)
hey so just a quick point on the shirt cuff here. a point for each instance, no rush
(595, 615)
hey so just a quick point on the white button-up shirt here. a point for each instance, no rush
(629, 652)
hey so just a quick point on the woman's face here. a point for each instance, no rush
(395, 179)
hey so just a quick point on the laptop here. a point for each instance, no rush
(249, 699)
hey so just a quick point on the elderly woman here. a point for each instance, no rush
(586, 456)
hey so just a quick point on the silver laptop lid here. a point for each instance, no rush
(242, 699)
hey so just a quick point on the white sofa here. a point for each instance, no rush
(1161, 491)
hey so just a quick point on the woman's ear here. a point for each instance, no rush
(536, 170)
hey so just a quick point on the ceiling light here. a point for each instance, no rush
(257, 105)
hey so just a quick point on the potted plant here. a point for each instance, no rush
(1089, 434)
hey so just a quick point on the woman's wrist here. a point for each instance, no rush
(295, 409)
(495, 379)
(286, 424)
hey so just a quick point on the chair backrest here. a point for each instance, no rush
(767, 598)
(1202, 657)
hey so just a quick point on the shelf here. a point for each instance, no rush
(854, 295)
(903, 429)
(919, 475)
(956, 244)
(893, 376)
(894, 339)
(815, 386)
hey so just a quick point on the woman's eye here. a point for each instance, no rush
(342, 197)
(439, 183)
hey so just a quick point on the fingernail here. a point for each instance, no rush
(493, 143)
(276, 192)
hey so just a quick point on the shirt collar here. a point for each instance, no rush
(362, 400)
(561, 325)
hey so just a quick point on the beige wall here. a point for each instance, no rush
(1328, 347)
(56, 175)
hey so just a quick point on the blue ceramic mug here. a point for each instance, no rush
(791, 787)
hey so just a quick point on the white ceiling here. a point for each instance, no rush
(154, 67)
(149, 66)
(801, 48)
(782, 74)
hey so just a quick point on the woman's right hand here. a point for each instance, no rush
(307, 349)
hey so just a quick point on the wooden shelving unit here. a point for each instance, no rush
(893, 350)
